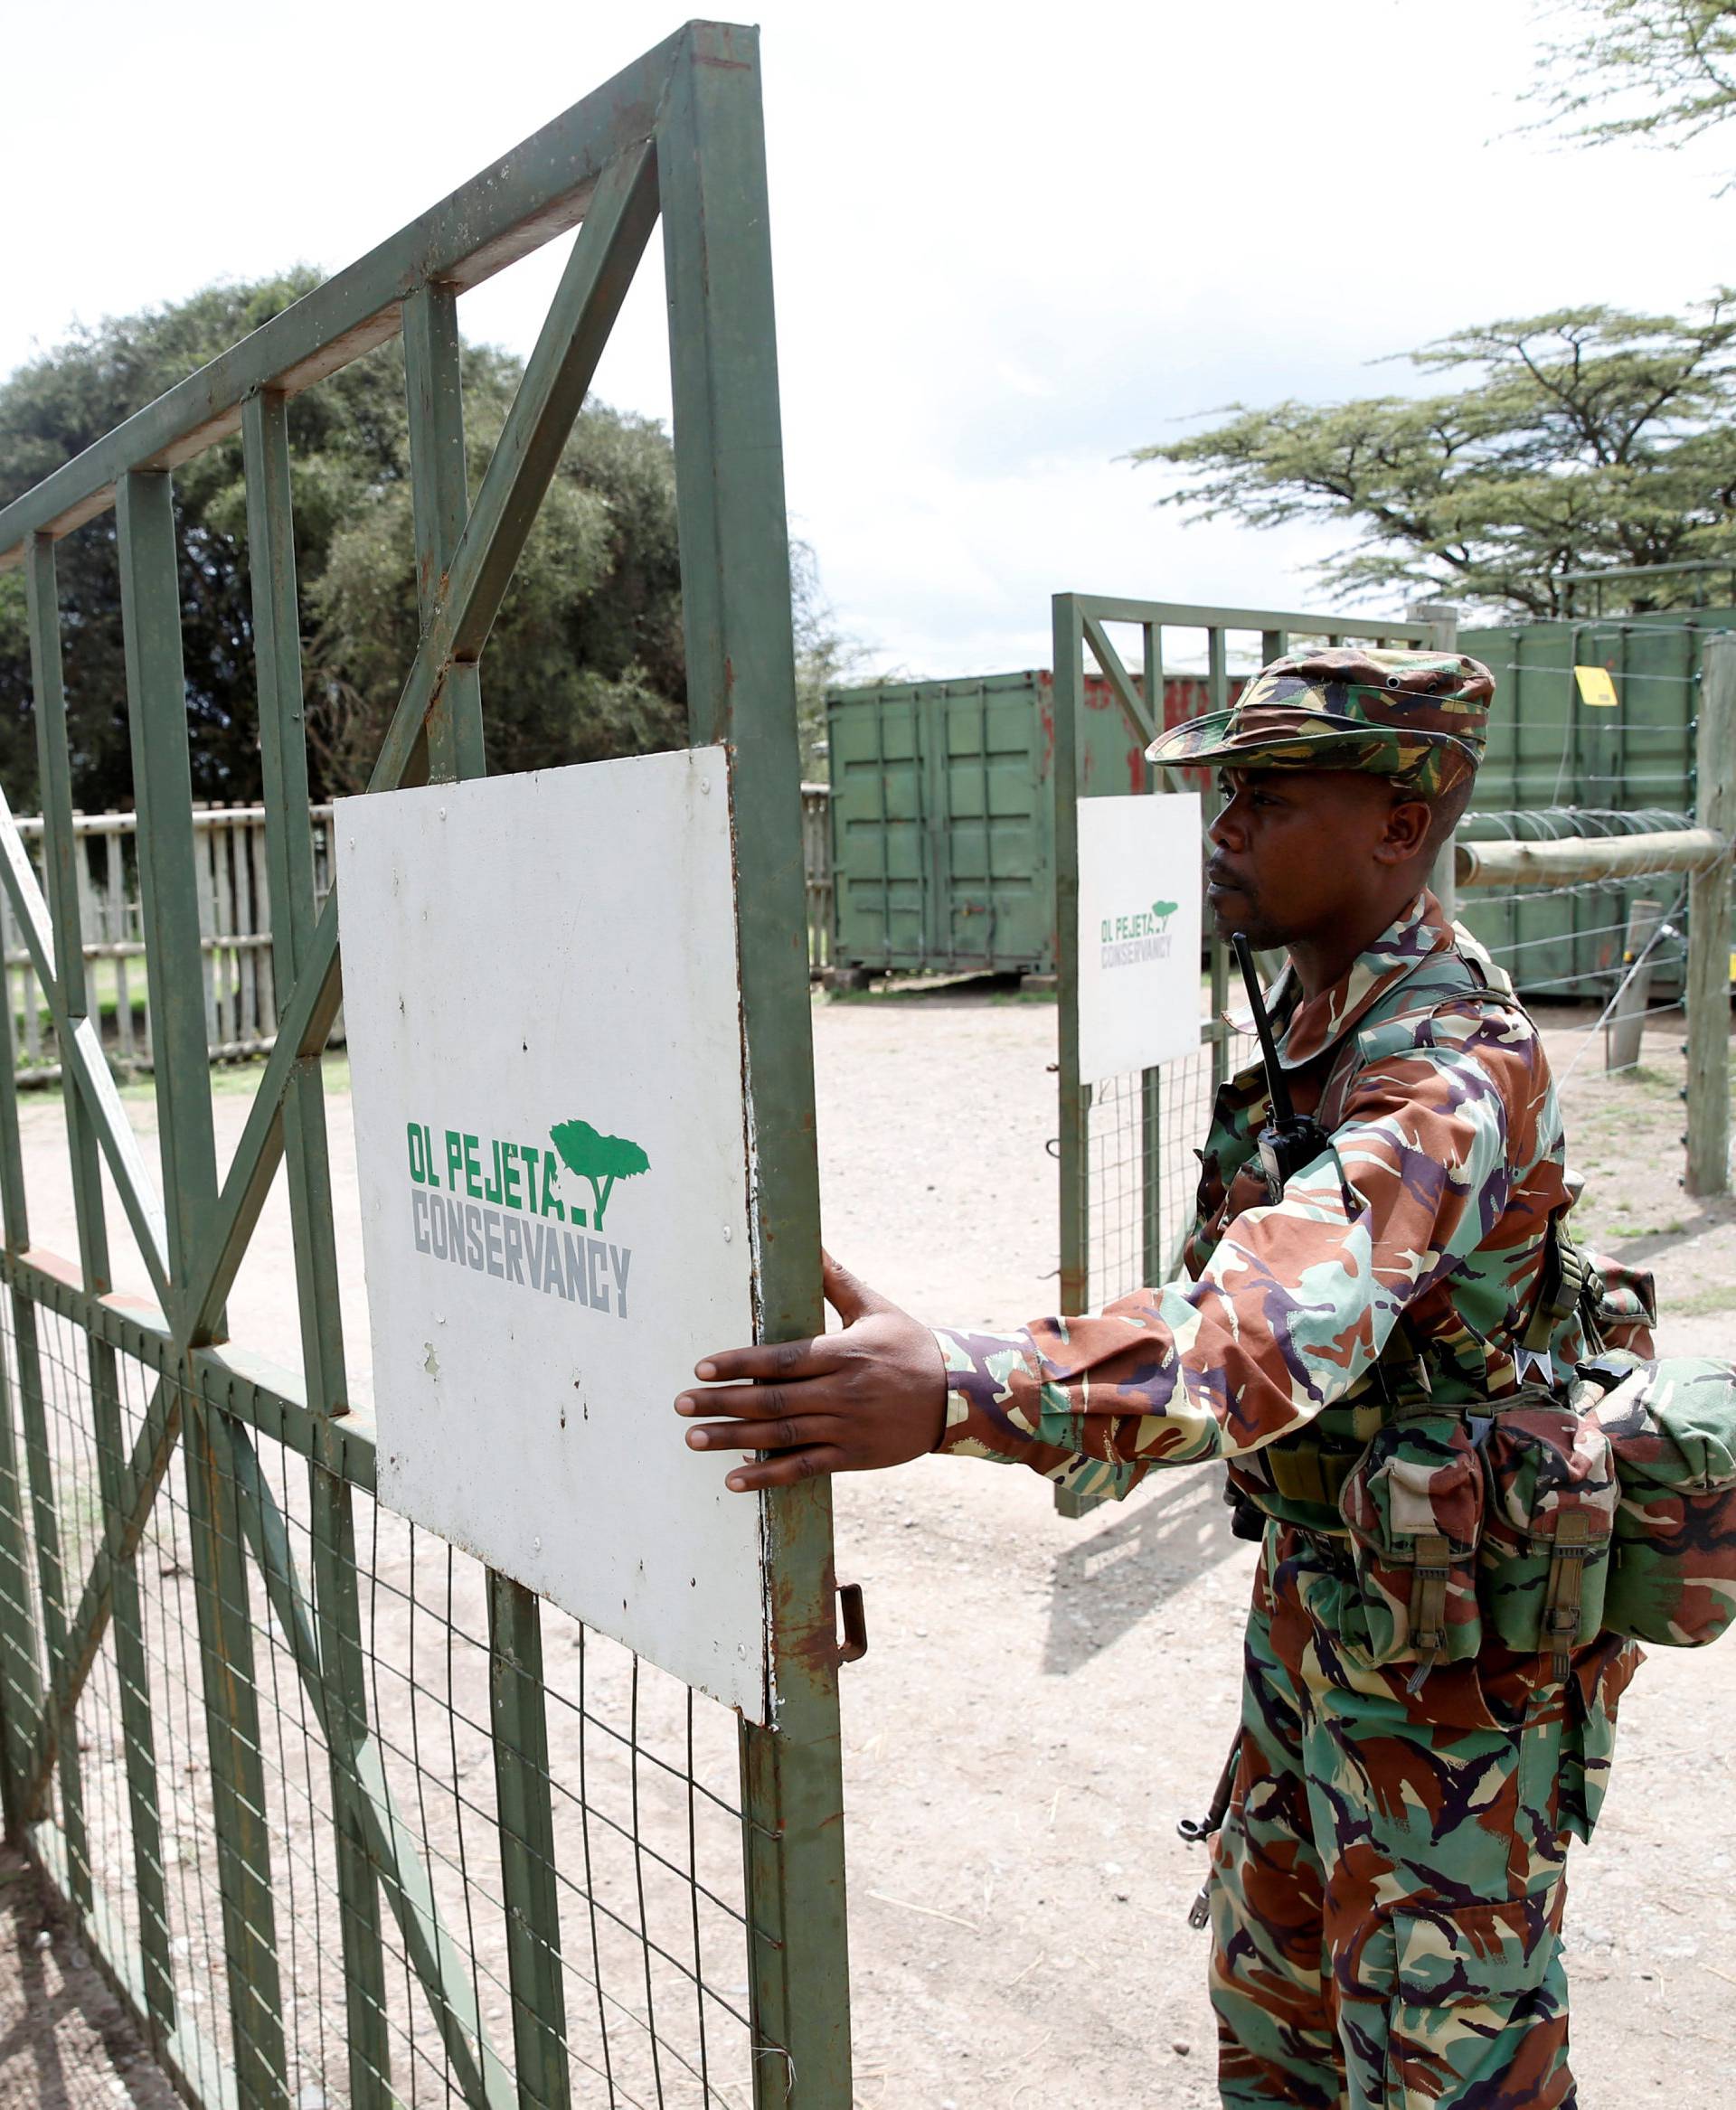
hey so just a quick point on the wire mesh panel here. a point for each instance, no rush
(642, 1775)
(347, 1816)
(1146, 1129)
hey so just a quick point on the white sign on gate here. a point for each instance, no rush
(1139, 889)
(543, 1010)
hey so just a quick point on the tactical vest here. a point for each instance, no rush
(1301, 1478)
(1603, 1500)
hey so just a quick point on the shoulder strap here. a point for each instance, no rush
(1560, 1284)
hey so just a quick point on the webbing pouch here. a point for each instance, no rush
(1621, 1304)
(1543, 1563)
(1670, 1426)
(1413, 1508)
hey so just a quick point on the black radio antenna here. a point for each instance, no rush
(1277, 1084)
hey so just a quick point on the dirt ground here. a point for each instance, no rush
(66, 2043)
(1041, 1699)
(1044, 1698)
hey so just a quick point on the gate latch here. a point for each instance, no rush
(855, 1616)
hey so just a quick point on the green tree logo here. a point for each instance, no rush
(1162, 911)
(600, 1159)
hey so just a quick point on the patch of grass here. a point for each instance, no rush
(1610, 1094)
(1626, 1229)
(228, 1079)
(1700, 1303)
(1654, 1083)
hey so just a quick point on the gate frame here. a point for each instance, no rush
(679, 135)
(1079, 620)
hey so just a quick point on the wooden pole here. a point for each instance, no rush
(1571, 861)
(1708, 994)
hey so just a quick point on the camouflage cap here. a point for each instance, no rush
(1417, 717)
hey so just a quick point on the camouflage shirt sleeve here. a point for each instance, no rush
(1295, 1304)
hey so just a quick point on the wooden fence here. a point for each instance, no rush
(235, 927)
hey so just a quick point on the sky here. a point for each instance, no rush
(1010, 243)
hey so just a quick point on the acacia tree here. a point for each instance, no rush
(1582, 438)
(1657, 71)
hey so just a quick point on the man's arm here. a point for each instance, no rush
(1295, 1305)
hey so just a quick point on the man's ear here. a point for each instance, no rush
(1406, 834)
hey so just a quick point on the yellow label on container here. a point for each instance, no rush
(1596, 686)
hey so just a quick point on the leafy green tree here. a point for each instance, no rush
(601, 1160)
(585, 658)
(1585, 437)
(825, 654)
(1658, 71)
(51, 410)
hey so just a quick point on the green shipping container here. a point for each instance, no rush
(943, 816)
(1548, 748)
(1551, 752)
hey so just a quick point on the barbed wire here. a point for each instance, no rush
(1551, 823)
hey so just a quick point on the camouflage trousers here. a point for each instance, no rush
(1388, 1903)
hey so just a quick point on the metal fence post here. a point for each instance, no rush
(1154, 1259)
(519, 1714)
(1073, 1093)
(64, 862)
(1709, 953)
(440, 498)
(742, 691)
(168, 881)
(44, 1508)
(1074, 1108)
(289, 860)
(20, 1675)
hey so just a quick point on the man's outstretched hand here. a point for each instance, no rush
(874, 1394)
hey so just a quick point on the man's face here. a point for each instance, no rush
(1297, 853)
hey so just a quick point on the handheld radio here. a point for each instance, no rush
(1289, 1140)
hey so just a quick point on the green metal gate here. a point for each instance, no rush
(1127, 1143)
(345, 1816)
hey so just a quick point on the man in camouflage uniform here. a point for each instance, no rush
(1389, 1879)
